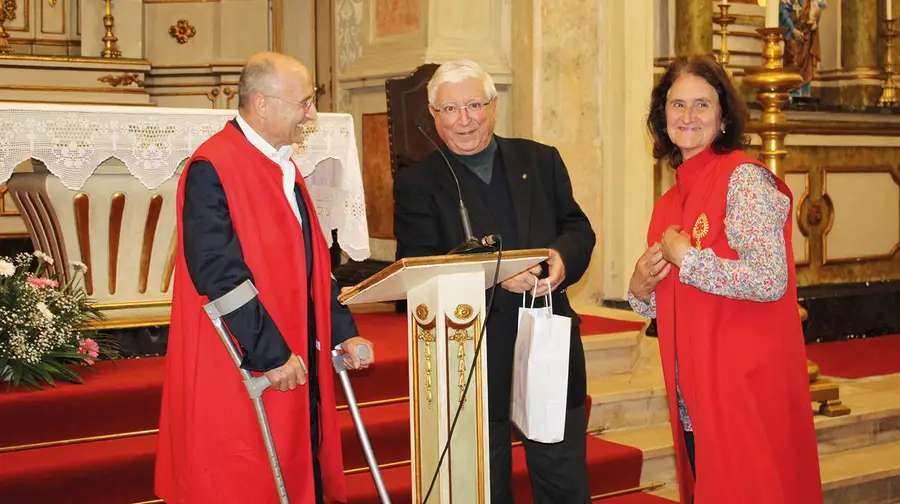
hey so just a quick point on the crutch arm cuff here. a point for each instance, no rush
(231, 300)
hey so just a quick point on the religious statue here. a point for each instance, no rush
(801, 40)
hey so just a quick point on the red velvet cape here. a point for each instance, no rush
(210, 446)
(741, 364)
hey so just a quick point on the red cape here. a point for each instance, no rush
(741, 364)
(210, 446)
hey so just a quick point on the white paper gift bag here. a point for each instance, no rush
(541, 372)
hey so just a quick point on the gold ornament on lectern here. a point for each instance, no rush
(427, 336)
(110, 50)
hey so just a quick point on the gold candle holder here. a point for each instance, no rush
(110, 50)
(7, 12)
(774, 85)
(888, 89)
(723, 20)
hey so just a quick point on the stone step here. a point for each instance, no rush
(610, 354)
(869, 475)
(873, 424)
(668, 492)
(874, 417)
(628, 400)
(614, 353)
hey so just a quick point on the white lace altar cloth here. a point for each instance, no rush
(152, 143)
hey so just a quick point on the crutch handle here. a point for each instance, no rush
(337, 357)
(256, 385)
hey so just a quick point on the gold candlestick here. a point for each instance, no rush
(109, 40)
(723, 20)
(774, 85)
(888, 89)
(7, 13)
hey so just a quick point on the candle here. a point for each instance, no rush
(724, 2)
(888, 4)
(772, 13)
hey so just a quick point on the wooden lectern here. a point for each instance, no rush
(446, 309)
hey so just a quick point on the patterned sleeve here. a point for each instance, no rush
(643, 309)
(754, 224)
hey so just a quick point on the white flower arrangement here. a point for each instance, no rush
(45, 326)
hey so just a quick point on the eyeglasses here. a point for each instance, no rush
(454, 110)
(309, 102)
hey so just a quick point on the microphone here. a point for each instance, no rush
(489, 241)
(470, 243)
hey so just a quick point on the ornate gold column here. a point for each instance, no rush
(694, 30)
(774, 84)
(859, 55)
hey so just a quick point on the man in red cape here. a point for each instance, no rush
(244, 213)
(741, 364)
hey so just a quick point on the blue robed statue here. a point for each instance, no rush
(801, 39)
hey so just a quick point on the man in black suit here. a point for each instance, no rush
(521, 190)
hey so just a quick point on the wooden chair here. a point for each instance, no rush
(407, 109)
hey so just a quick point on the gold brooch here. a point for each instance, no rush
(701, 229)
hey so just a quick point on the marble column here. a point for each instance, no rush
(694, 27)
(859, 55)
(627, 78)
(583, 75)
(556, 98)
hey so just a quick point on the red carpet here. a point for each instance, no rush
(130, 391)
(636, 498)
(124, 397)
(873, 356)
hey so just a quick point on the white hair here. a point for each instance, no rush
(458, 71)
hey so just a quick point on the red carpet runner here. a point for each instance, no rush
(873, 356)
(124, 397)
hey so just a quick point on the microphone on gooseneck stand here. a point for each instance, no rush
(470, 243)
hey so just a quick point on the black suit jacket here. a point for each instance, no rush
(216, 265)
(426, 222)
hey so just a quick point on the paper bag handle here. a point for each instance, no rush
(549, 302)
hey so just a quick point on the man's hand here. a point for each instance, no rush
(351, 356)
(650, 269)
(675, 243)
(522, 282)
(288, 376)
(556, 277)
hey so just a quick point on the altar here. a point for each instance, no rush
(102, 186)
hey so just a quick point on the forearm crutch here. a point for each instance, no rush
(256, 385)
(337, 358)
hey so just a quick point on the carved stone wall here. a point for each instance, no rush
(45, 27)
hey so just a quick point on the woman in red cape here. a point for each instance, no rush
(719, 278)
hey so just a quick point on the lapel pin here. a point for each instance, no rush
(524, 176)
